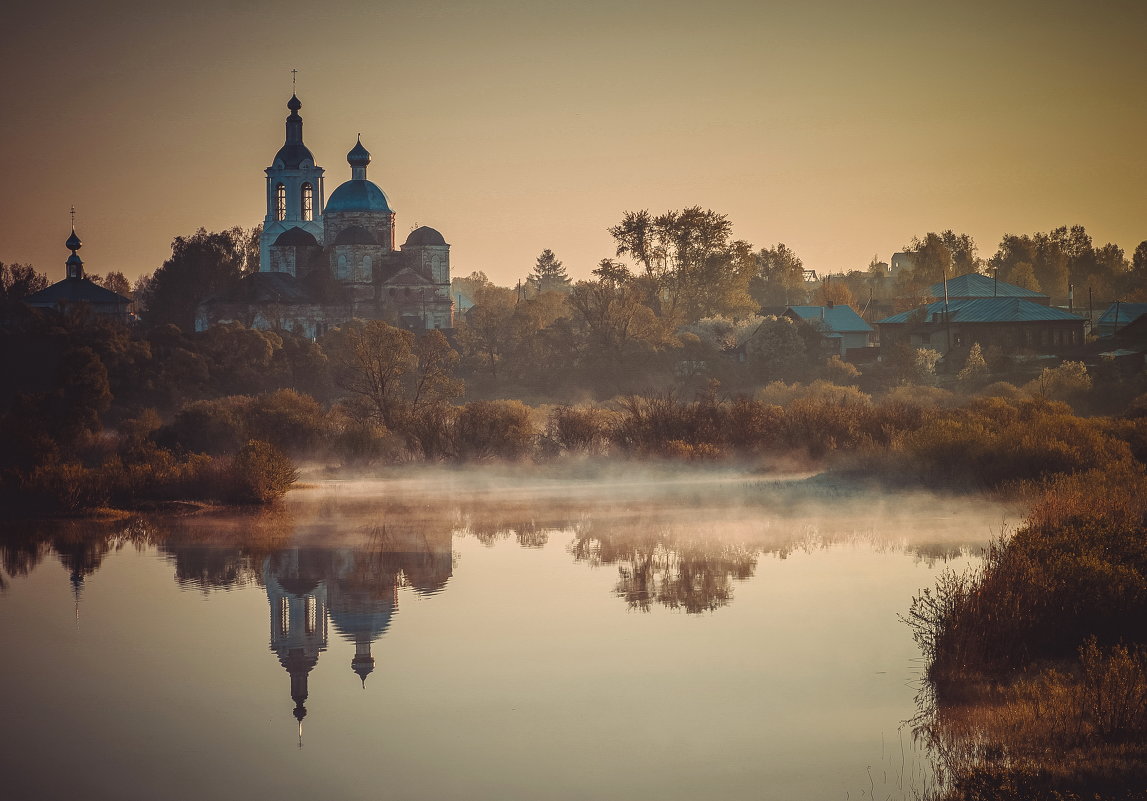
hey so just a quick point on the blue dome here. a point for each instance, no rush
(357, 195)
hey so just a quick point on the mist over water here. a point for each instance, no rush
(490, 632)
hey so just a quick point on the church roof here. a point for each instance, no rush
(407, 277)
(295, 237)
(425, 236)
(358, 194)
(266, 288)
(292, 155)
(355, 235)
(75, 290)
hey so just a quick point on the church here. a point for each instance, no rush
(322, 263)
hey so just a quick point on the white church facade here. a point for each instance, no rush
(324, 262)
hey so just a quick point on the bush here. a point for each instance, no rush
(580, 429)
(499, 429)
(259, 473)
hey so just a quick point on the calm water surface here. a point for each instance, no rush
(479, 636)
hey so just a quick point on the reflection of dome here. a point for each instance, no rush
(296, 237)
(425, 236)
(355, 235)
(356, 620)
(358, 195)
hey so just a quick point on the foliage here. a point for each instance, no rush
(371, 361)
(575, 429)
(494, 429)
(778, 279)
(689, 266)
(548, 274)
(975, 367)
(260, 473)
(17, 281)
(1067, 382)
(201, 265)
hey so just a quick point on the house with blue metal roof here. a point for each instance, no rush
(840, 326)
(1119, 315)
(1012, 324)
(971, 286)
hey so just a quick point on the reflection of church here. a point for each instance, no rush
(353, 590)
(322, 264)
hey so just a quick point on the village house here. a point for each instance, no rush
(1010, 323)
(843, 331)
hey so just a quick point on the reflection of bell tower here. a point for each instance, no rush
(297, 595)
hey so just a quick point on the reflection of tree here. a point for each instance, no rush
(694, 575)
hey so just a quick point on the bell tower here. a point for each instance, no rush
(294, 189)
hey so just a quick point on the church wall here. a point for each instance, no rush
(380, 225)
(433, 261)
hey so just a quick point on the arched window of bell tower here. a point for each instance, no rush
(367, 269)
(308, 202)
(280, 202)
(342, 271)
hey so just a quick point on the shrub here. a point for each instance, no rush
(580, 429)
(210, 426)
(259, 473)
(291, 421)
(499, 429)
(1068, 382)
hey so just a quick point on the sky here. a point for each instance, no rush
(840, 128)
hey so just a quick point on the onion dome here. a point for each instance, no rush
(294, 154)
(358, 156)
(357, 195)
(73, 242)
(424, 235)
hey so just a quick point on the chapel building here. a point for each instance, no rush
(322, 263)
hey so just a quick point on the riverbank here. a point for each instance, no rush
(1037, 677)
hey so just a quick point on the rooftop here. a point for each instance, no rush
(983, 310)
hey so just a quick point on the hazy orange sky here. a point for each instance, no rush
(840, 128)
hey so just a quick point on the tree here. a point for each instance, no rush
(548, 274)
(689, 266)
(116, 282)
(201, 265)
(433, 382)
(18, 281)
(779, 277)
(776, 347)
(831, 292)
(610, 310)
(1022, 275)
(975, 366)
(486, 332)
(371, 362)
(469, 285)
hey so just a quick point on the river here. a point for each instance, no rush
(480, 634)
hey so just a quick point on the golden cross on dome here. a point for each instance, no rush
(293, 74)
